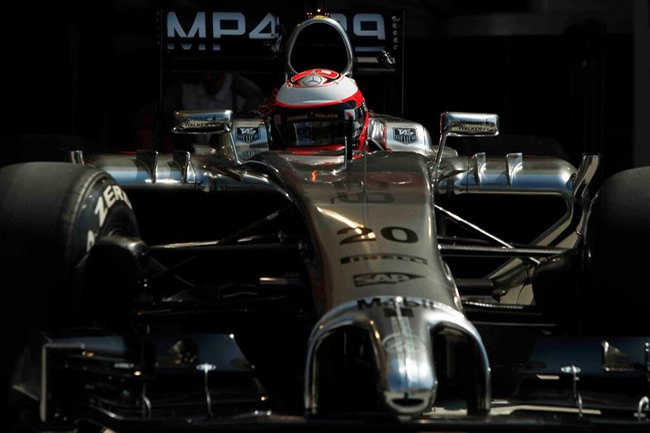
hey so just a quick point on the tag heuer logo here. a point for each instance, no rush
(248, 134)
(405, 135)
(382, 278)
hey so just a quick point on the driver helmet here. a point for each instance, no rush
(317, 109)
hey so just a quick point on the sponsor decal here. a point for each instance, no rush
(248, 154)
(382, 256)
(393, 233)
(405, 135)
(297, 117)
(111, 195)
(364, 197)
(398, 342)
(313, 116)
(375, 278)
(314, 77)
(325, 115)
(473, 126)
(369, 303)
(248, 134)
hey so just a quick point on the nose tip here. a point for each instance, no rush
(409, 402)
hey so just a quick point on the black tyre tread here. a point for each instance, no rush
(617, 235)
(41, 245)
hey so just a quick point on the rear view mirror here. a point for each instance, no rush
(202, 121)
(455, 124)
(469, 124)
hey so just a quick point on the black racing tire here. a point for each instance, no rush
(617, 236)
(51, 213)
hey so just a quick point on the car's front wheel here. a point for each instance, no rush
(51, 214)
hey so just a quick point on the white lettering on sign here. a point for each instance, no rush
(370, 25)
(236, 18)
(375, 29)
(268, 21)
(174, 29)
(342, 19)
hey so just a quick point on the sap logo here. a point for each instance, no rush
(382, 278)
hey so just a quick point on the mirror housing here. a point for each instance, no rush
(457, 124)
(202, 121)
(469, 124)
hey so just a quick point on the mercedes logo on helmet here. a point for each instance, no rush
(312, 80)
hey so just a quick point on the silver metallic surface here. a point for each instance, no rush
(643, 406)
(148, 159)
(576, 397)
(319, 20)
(584, 176)
(248, 137)
(514, 162)
(481, 173)
(647, 361)
(182, 159)
(615, 360)
(403, 349)
(202, 121)
(373, 225)
(400, 135)
(379, 203)
(75, 157)
(455, 124)
(496, 251)
(206, 368)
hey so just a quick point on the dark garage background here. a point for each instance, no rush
(576, 71)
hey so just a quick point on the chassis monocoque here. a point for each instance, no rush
(327, 289)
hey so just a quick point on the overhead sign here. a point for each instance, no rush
(257, 33)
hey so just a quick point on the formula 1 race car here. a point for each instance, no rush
(317, 266)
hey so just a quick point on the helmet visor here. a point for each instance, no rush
(316, 133)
